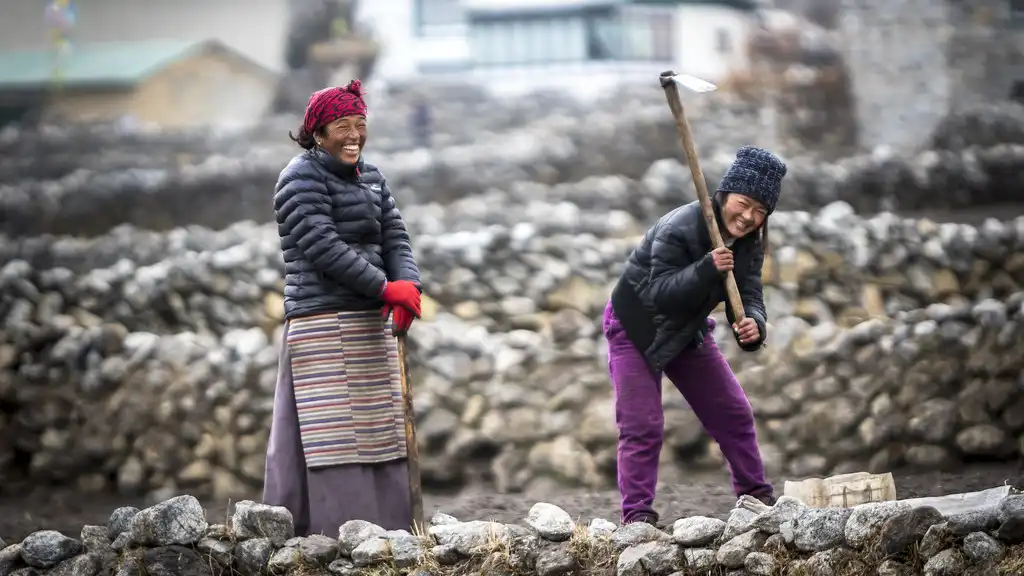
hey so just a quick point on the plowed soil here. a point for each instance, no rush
(705, 494)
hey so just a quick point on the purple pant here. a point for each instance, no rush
(707, 383)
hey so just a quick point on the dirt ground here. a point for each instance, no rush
(706, 494)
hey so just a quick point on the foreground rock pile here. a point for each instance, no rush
(889, 539)
(146, 361)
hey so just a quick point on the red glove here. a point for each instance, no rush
(402, 293)
(402, 320)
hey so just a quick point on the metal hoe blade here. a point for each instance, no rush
(694, 84)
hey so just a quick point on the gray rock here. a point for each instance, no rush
(95, 538)
(949, 562)
(354, 532)
(441, 519)
(551, 522)
(10, 558)
(445, 554)
(81, 565)
(700, 558)
(173, 561)
(907, 528)
(816, 529)
(937, 538)
(658, 558)
(739, 522)
(974, 521)
(318, 549)
(866, 521)
(252, 520)
(372, 551)
(733, 553)
(894, 568)
(406, 550)
(834, 561)
(252, 556)
(344, 567)
(555, 562)
(284, 560)
(180, 520)
(697, 531)
(122, 542)
(47, 548)
(785, 509)
(468, 537)
(760, 564)
(120, 521)
(981, 548)
(600, 528)
(634, 534)
(220, 551)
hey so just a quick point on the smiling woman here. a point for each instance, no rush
(657, 323)
(337, 449)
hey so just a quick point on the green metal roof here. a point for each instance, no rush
(100, 64)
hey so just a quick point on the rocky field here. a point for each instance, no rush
(176, 536)
(140, 318)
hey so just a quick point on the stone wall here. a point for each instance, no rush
(233, 188)
(889, 538)
(144, 360)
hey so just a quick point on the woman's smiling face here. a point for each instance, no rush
(345, 137)
(742, 215)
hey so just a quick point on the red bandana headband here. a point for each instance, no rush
(327, 105)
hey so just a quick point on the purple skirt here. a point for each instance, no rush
(323, 499)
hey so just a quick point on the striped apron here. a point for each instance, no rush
(348, 391)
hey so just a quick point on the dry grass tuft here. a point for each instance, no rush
(594, 555)
(1012, 563)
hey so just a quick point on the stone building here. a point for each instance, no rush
(914, 61)
(164, 83)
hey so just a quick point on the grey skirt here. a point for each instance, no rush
(323, 499)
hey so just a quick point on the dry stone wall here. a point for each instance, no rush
(890, 539)
(145, 361)
(86, 183)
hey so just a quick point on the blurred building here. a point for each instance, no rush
(914, 61)
(164, 83)
(513, 46)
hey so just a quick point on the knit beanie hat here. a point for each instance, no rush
(756, 173)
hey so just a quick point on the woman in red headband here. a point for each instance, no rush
(337, 447)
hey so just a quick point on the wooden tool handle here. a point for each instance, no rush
(686, 137)
(411, 445)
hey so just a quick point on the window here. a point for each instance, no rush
(647, 37)
(723, 41)
(433, 13)
(510, 42)
(604, 38)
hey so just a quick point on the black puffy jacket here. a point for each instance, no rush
(670, 285)
(341, 234)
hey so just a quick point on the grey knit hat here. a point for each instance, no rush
(756, 173)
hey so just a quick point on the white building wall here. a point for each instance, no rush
(697, 51)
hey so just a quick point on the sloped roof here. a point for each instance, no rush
(106, 64)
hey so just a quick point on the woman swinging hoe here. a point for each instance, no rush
(657, 323)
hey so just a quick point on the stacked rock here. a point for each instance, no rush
(145, 361)
(889, 538)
